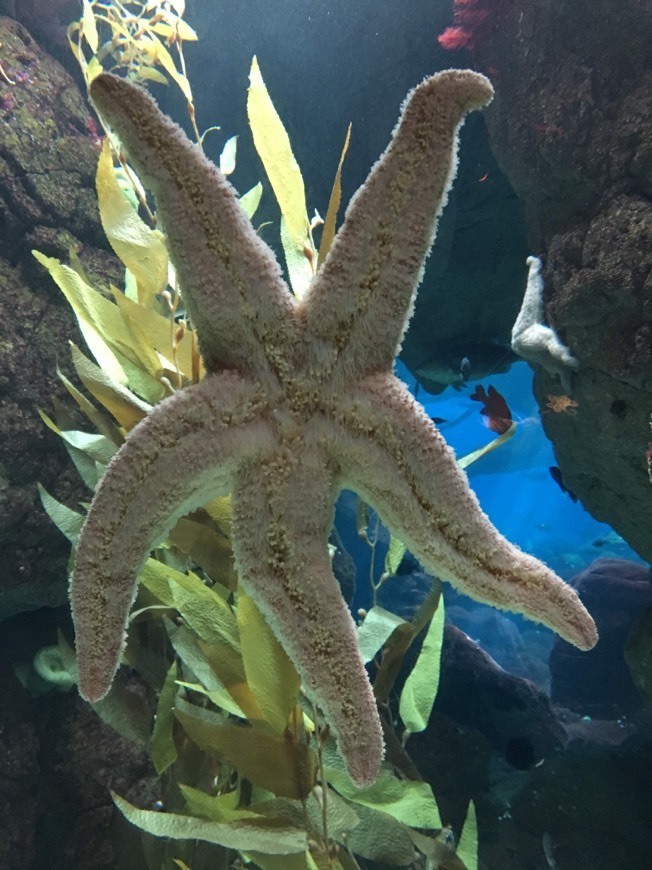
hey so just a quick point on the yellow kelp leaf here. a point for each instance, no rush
(273, 146)
(95, 446)
(251, 200)
(95, 314)
(299, 260)
(270, 674)
(379, 624)
(68, 521)
(141, 249)
(395, 553)
(228, 156)
(151, 74)
(282, 862)
(180, 30)
(380, 838)
(87, 467)
(409, 802)
(208, 548)
(470, 458)
(219, 808)
(206, 613)
(89, 27)
(102, 423)
(162, 748)
(420, 689)
(330, 224)
(265, 835)
(139, 349)
(231, 673)
(467, 848)
(127, 408)
(163, 56)
(142, 320)
(277, 764)
(93, 70)
(219, 510)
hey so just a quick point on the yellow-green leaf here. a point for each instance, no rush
(102, 423)
(208, 548)
(228, 156)
(127, 408)
(273, 146)
(141, 249)
(151, 74)
(470, 458)
(265, 835)
(180, 30)
(89, 27)
(378, 626)
(420, 689)
(395, 553)
(68, 522)
(164, 57)
(93, 69)
(271, 676)
(406, 801)
(467, 848)
(142, 320)
(94, 314)
(218, 808)
(277, 764)
(251, 199)
(330, 224)
(380, 838)
(162, 748)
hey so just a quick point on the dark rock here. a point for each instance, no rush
(57, 765)
(571, 126)
(598, 683)
(47, 201)
(638, 655)
(510, 712)
(590, 806)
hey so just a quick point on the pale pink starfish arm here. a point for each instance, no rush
(230, 279)
(180, 456)
(393, 456)
(361, 299)
(282, 516)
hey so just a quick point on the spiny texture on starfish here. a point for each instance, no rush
(299, 402)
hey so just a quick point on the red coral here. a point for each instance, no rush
(454, 37)
(469, 16)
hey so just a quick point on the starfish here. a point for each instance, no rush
(532, 339)
(299, 401)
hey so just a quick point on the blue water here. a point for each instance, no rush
(513, 483)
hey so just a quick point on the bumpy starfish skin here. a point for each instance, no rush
(299, 402)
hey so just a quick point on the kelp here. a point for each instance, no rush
(246, 764)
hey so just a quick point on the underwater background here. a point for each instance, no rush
(553, 746)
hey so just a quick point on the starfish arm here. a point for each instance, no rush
(532, 339)
(394, 457)
(282, 516)
(359, 303)
(179, 457)
(230, 279)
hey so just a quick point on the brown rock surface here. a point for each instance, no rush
(47, 201)
(571, 126)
